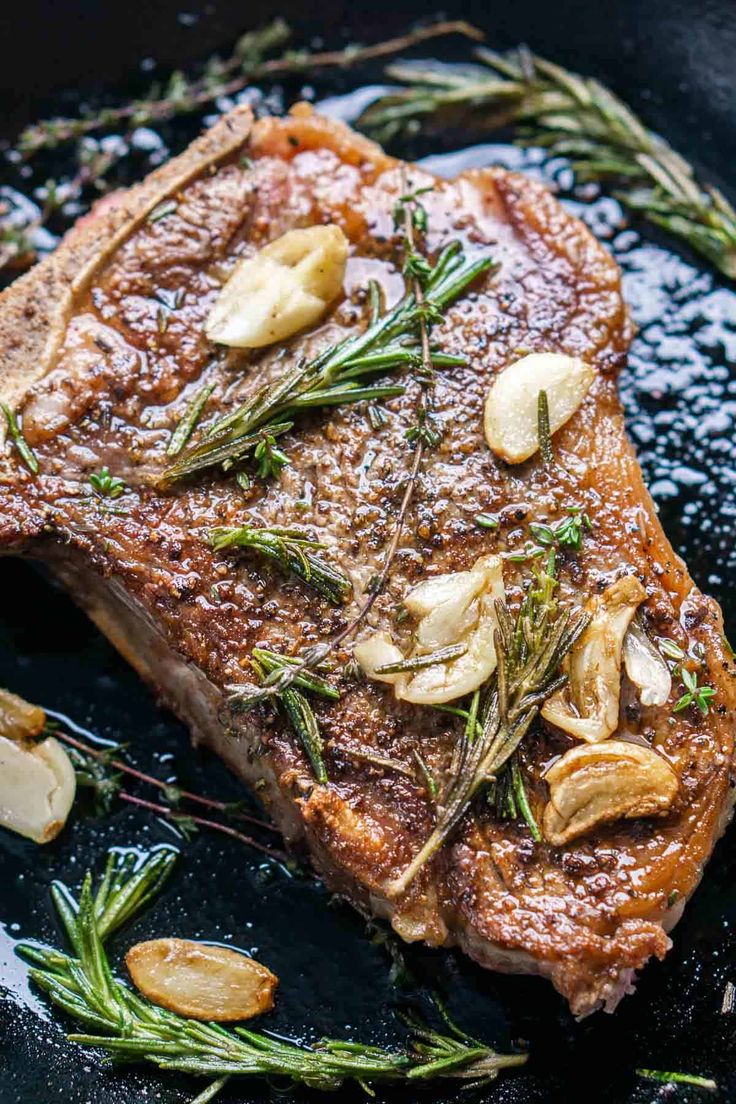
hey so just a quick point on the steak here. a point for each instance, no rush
(102, 348)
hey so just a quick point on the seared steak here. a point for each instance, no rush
(102, 348)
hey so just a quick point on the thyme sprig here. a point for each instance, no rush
(293, 550)
(530, 649)
(106, 485)
(337, 375)
(131, 1029)
(225, 77)
(699, 696)
(572, 116)
(567, 533)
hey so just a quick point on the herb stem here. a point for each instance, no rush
(165, 787)
(204, 822)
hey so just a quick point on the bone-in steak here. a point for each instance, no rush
(102, 348)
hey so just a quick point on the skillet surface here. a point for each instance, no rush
(674, 64)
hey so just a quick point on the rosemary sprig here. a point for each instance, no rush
(22, 447)
(336, 376)
(681, 1078)
(530, 650)
(186, 426)
(131, 1029)
(269, 667)
(224, 77)
(293, 550)
(572, 116)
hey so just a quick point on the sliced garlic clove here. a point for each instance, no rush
(464, 613)
(599, 783)
(455, 609)
(588, 707)
(285, 287)
(201, 981)
(19, 720)
(511, 421)
(645, 667)
(37, 787)
(376, 651)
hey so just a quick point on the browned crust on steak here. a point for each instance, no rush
(97, 382)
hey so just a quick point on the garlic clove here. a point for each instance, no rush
(511, 421)
(645, 667)
(283, 288)
(37, 787)
(453, 609)
(201, 981)
(376, 651)
(19, 720)
(588, 707)
(598, 783)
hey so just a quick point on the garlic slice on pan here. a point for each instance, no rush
(511, 418)
(645, 667)
(598, 783)
(19, 720)
(588, 707)
(285, 287)
(200, 980)
(37, 787)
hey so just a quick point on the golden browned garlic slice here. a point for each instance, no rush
(19, 720)
(511, 421)
(37, 787)
(598, 783)
(588, 706)
(286, 286)
(201, 981)
(645, 667)
(455, 610)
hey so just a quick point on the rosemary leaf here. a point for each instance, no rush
(681, 1078)
(571, 116)
(132, 1029)
(22, 447)
(186, 426)
(293, 551)
(419, 662)
(543, 433)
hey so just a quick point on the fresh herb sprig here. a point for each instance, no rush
(293, 550)
(670, 1078)
(572, 116)
(530, 650)
(567, 533)
(188, 423)
(132, 1029)
(106, 485)
(224, 77)
(337, 375)
(695, 694)
(268, 666)
(15, 433)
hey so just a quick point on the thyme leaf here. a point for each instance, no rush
(530, 649)
(186, 426)
(132, 1029)
(22, 447)
(567, 533)
(571, 116)
(293, 550)
(699, 696)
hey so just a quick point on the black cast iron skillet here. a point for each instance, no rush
(674, 63)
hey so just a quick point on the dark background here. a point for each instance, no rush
(674, 63)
